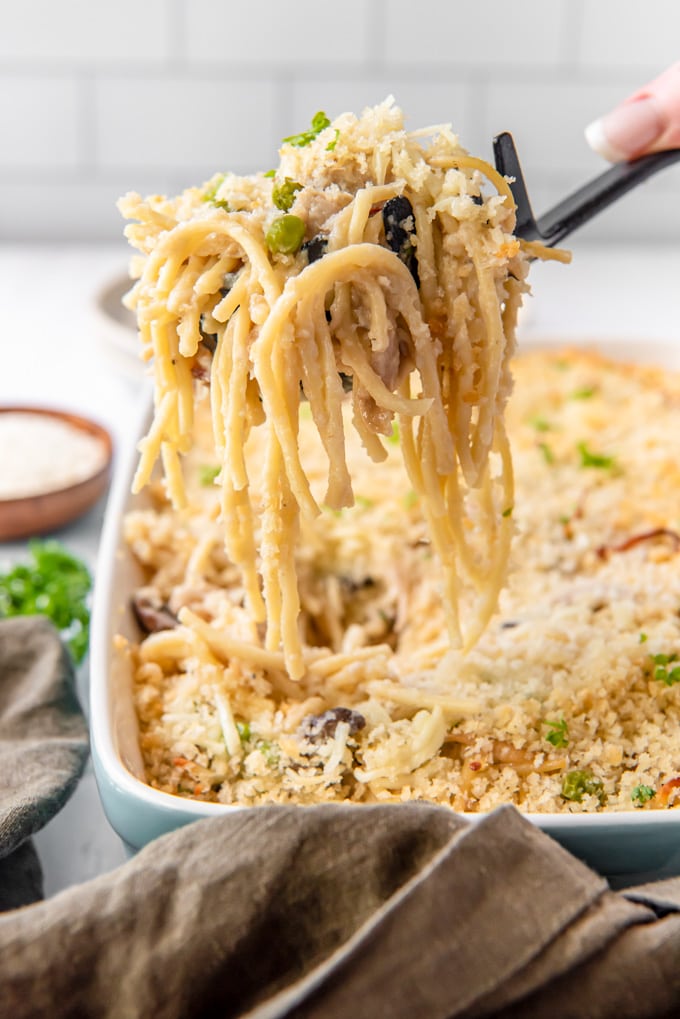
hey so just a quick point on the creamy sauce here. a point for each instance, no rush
(40, 453)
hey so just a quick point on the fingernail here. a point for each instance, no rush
(627, 131)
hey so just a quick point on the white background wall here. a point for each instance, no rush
(97, 98)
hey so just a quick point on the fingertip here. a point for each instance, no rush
(598, 141)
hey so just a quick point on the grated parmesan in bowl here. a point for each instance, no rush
(53, 467)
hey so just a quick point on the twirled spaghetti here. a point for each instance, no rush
(371, 254)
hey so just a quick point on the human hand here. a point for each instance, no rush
(647, 121)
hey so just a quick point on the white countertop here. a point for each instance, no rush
(56, 349)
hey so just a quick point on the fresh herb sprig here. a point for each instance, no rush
(319, 123)
(558, 733)
(642, 794)
(665, 671)
(598, 460)
(55, 584)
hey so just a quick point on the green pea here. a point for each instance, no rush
(285, 235)
(576, 784)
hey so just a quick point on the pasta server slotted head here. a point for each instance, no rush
(579, 207)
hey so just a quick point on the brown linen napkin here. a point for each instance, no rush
(337, 911)
(43, 747)
(306, 912)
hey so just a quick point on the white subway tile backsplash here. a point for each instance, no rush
(99, 98)
(271, 33)
(629, 34)
(526, 33)
(38, 122)
(547, 121)
(179, 122)
(73, 210)
(423, 103)
(71, 32)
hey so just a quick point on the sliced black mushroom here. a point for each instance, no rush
(317, 728)
(151, 612)
(400, 231)
(315, 248)
(209, 340)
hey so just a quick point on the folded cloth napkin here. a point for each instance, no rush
(43, 747)
(332, 911)
(336, 911)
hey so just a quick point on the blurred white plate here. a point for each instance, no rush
(116, 323)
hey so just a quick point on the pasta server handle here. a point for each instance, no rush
(579, 207)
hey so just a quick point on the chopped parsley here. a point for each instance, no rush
(577, 784)
(363, 502)
(664, 669)
(585, 393)
(642, 794)
(269, 173)
(331, 145)
(207, 474)
(283, 195)
(210, 194)
(243, 729)
(54, 584)
(394, 437)
(590, 459)
(507, 512)
(547, 452)
(643, 638)
(540, 424)
(270, 751)
(558, 733)
(319, 123)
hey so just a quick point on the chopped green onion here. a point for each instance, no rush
(507, 512)
(319, 123)
(363, 502)
(331, 145)
(410, 499)
(590, 459)
(285, 235)
(269, 173)
(283, 195)
(54, 584)
(393, 437)
(642, 794)
(558, 733)
(643, 638)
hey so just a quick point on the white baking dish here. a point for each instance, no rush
(631, 842)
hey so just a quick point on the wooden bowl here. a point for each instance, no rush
(32, 515)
